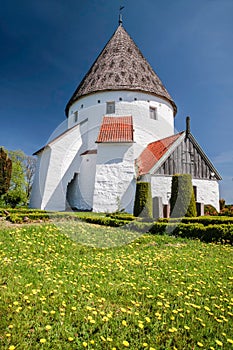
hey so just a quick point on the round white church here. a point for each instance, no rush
(119, 129)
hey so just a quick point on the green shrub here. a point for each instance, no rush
(210, 210)
(211, 233)
(182, 196)
(143, 200)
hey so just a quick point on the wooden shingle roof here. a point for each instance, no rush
(116, 129)
(121, 66)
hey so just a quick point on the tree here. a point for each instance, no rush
(30, 168)
(17, 191)
(5, 172)
(182, 196)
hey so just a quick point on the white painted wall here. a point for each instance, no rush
(115, 182)
(81, 190)
(146, 129)
(58, 163)
(207, 190)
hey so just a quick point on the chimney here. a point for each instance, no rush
(187, 126)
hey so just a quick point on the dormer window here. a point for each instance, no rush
(153, 113)
(75, 117)
(110, 107)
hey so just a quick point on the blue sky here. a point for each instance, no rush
(47, 47)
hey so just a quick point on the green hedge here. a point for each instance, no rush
(182, 196)
(205, 220)
(143, 200)
(211, 233)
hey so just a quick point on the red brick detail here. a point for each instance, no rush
(153, 152)
(116, 129)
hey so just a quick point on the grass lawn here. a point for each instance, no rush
(147, 292)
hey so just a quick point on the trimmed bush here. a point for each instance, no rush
(143, 200)
(182, 196)
(211, 233)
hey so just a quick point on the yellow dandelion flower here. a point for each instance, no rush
(11, 326)
(70, 339)
(145, 345)
(230, 341)
(147, 319)
(42, 340)
(48, 327)
(186, 327)
(8, 335)
(218, 342)
(92, 341)
(102, 338)
(85, 344)
(74, 308)
(124, 323)
(125, 343)
(172, 330)
(200, 344)
(140, 325)
(11, 347)
(151, 348)
(109, 339)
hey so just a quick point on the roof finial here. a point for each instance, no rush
(187, 126)
(120, 15)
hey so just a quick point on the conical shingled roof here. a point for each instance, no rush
(121, 66)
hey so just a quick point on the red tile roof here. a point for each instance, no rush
(153, 152)
(116, 129)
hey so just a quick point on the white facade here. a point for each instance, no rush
(65, 178)
(74, 171)
(207, 190)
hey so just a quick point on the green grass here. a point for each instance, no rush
(59, 289)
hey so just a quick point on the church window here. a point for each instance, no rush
(120, 98)
(110, 107)
(153, 113)
(75, 117)
(98, 101)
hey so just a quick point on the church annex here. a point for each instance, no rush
(119, 129)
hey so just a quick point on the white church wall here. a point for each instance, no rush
(63, 163)
(81, 189)
(207, 190)
(161, 187)
(146, 129)
(115, 178)
(40, 177)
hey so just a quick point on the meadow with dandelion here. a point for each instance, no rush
(150, 292)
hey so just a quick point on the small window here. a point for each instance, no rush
(75, 117)
(110, 107)
(81, 106)
(120, 98)
(153, 113)
(98, 101)
(135, 99)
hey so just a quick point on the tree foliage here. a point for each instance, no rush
(23, 169)
(5, 172)
(182, 196)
